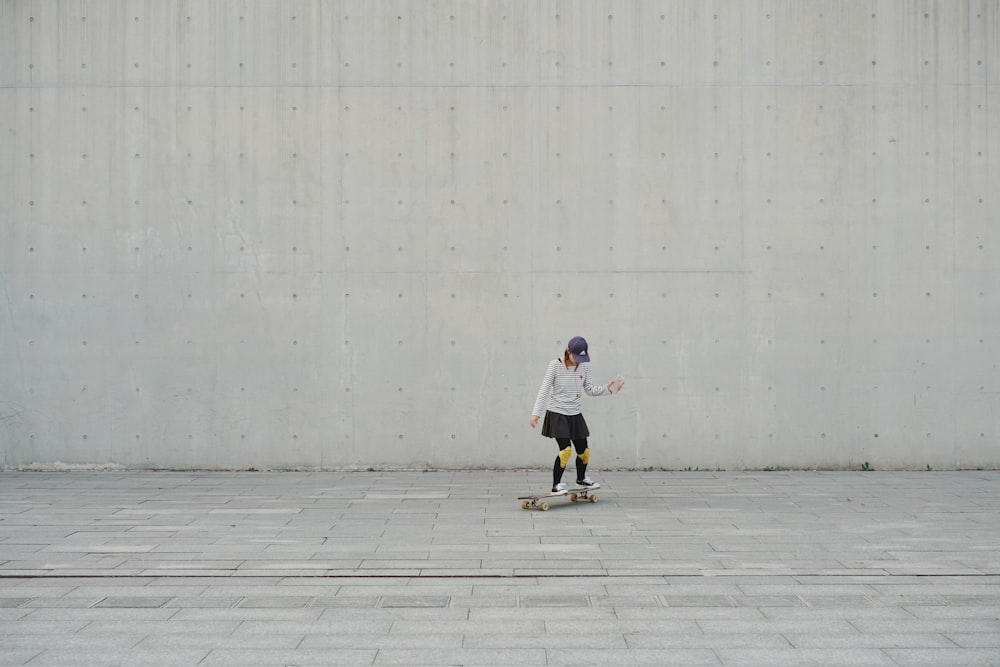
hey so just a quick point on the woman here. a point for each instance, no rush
(560, 397)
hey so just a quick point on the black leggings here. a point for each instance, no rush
(582, 456)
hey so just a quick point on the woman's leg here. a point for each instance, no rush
(561, 460)
(582, 458)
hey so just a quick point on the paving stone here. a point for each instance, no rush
(251, 657)
(654, 627)
(686, 640)
(163, 626)
(697, 601)
(793, 625)
(360, 602)
(41, 642)
(846, 613)
(624, 602)
(123, 657)
(26, 627)
(63, 602)
(793, 657)
(554, 601)
(10, 603)
(209, 642)
(98, 614)
(18, 656)
(646, 615)
(944, 656)
(275, 602)
(320, 626)
(460, 656)
(977, 623)
(203, 602)
(383, 641)
(132, 602)
(638, 656)
(827, 601)
(758, 601)
(606, 615)
(975, 639)
(415, 601)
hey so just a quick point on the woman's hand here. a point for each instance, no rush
(616, 385)
(533, 421)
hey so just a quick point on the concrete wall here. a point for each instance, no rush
(315, 233)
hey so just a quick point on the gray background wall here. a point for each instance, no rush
(343, 233)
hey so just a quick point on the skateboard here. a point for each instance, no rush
(575, 495)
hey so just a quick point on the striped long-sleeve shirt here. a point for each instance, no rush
(562, 389)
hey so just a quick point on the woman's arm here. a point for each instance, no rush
(600, 389)
(589, 386)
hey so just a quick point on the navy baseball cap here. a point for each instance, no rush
(578, 348)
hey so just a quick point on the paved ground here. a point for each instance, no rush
(445, 568)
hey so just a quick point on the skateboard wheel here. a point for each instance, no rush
(593, 499)
(525, 504)
(573, 497)
(544, 506)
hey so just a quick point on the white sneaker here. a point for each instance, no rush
(589, 483)
(559, 489)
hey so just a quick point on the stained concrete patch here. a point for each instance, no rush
(415, 602)
(11, 603)
(132, 603)
(275, 602)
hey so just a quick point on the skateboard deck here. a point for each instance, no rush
(583, 494)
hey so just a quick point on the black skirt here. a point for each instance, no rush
(564, 426)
